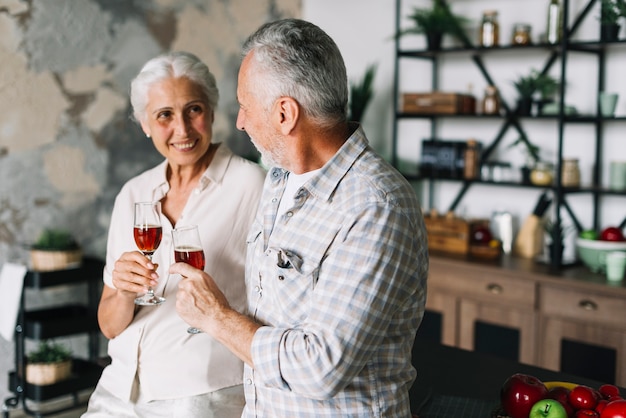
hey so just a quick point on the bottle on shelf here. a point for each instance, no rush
(489, 29)
(491, 101)
(554, 29)
(471, 169)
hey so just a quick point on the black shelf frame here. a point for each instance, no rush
(52, 322)
(512, 121)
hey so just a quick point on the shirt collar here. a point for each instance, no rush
(325, 182)
(214, 173)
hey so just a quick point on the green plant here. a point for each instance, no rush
(545, 84)
(611, 11)
(55, 240)
(361, 93)
(532, 150)
(438, 19)
(556, 230)
(525, 86)
(49, 352)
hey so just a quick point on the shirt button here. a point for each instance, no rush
(248, 381)
(274, 200)
(281, 277)
(257, 289)
(290, 214)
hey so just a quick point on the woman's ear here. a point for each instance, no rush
(145, 128)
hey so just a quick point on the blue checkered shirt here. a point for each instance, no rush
(339, 283)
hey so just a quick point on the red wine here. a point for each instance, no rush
(191, 255)
(148, 238)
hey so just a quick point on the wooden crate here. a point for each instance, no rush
(447, 233)
(439, 103)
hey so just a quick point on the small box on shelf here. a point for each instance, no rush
(439, 103)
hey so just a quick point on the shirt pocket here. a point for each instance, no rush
(290, 285)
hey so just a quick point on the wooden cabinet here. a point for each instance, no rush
(584, 332)
(569, 321)
(477, 302)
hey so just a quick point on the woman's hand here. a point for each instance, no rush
(133, 273)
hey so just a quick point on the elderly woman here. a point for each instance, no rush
(157, 368)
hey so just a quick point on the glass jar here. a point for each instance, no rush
(489, 29)
(554, 30)
(521, 34)
(570, 172)
(541, 174)
(491, 101)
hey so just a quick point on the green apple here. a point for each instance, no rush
(547, 408)
(589, 234)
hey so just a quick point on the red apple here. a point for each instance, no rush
(612, 234)
(583, 397)
(520, 392)
(561, 394)
(608, 391)
(601, 405)
(614, 409)
(547, 408)
(586, 413)
(481, 234)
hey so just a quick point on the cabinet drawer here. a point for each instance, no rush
(581, 305)
(483, 284)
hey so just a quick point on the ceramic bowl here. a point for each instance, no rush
(593, 252)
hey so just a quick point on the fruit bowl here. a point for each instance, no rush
(593, 252)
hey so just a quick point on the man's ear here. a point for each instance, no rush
(287, 112)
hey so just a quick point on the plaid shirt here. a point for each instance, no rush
(339, 281)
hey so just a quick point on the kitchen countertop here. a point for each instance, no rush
(578, 276)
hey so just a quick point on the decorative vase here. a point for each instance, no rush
(524, 106)
(609, 33)
(433, 41)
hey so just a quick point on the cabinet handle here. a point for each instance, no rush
(588, 305)
(494, 288)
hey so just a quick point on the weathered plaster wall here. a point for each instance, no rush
(66, 141)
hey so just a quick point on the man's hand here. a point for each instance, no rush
(199, 301)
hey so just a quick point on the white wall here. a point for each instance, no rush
(363, 29)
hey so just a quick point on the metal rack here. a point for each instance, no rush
(57, 321)
(557, 55)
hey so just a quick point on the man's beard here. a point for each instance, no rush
(274, 157)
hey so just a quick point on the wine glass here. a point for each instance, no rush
(188, 249)
(148, 232)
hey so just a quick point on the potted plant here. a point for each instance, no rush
(49, 363)
(532, 157)
(55, 249)
(528, 86)
(361, 93)
(435, 22)
(556, 233)
(610, 13)
(546, 86)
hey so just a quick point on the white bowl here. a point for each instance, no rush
(593, 252)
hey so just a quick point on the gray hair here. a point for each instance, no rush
(299, 60)
(171, 65)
